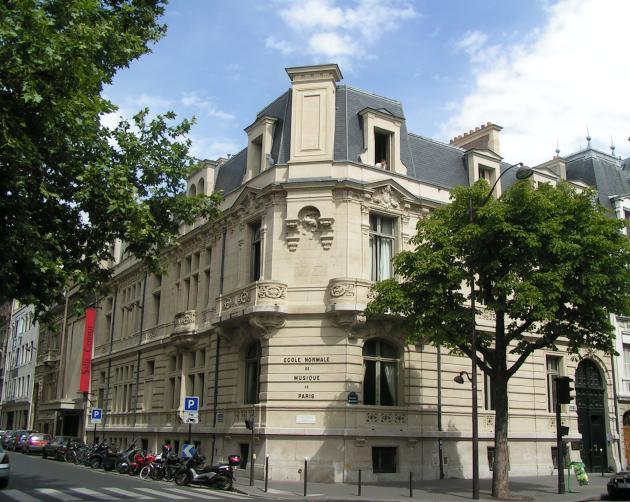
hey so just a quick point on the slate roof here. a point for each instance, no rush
(599, 170)
(426, 160)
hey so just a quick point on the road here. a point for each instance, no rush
(34, 479)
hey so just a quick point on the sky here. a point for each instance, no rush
(549, 72)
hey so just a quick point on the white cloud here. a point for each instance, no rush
(193, 100)
(571, 72)
(340, 34)
(279, 45)
(203, 148)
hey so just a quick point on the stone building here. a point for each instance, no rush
(17, 406)
(260, 313)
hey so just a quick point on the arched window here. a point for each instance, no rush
(192, 191)
(380, 380)
(252, 373)
(201, 187)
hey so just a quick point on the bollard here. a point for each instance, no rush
(305, 474)
(359, 486)
(266, 472)
(601, 456)
(410, 484)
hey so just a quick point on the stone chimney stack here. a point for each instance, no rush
(313, 112)
(485, 137)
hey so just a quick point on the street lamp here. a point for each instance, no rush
(522, 173)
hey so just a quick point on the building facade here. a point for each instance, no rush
(260, 313)
(17, 406)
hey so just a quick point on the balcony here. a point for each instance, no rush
(48, 357)
(184, 327)
(262, 304)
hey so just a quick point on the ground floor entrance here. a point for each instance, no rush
(590, 400)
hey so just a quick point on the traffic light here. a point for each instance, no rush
(564, 390)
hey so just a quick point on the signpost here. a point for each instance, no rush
(191, 414)
(188, 451)
(97, 417)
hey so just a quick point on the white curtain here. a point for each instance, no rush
(390, 379)
(385, 262)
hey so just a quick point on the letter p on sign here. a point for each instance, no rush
(191, 403)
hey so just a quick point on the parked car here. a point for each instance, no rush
(619, 485)
(15, 437)
(35, 442)
(58, 446)
(19, 443)
(4, 468)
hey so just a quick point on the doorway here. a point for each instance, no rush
(626, 437)
(590, 399)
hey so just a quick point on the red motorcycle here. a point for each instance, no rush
(139, 462)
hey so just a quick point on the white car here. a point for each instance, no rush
(4, 468)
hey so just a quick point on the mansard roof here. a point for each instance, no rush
(601, 171)
(426, 160)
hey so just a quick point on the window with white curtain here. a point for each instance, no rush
(381, 246)
(626, 359)
(553, 372)
(380, 379)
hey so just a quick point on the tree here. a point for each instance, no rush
(548, 262)
(69, 186)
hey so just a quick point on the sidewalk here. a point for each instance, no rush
(536, 488)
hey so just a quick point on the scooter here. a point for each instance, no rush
(125, 458)
(103, 456)
(196, 472)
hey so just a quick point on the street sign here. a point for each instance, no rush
(97, 415)
(190, 417)
(191, 403)
(188, 451)
(353, 398)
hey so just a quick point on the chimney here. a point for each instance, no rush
(484, 137)
(313, 112)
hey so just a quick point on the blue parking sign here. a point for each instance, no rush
(191, 403)
(97, 415)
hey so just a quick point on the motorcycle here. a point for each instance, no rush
(125, 458)
(165, 465)
(195, 471)
(104, 456)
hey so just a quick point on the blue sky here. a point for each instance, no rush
(544, 70)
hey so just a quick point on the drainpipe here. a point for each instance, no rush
(614, 383)
(109, 364)
(439, 410)
(137, 388)
(216, 355)
(62, 350)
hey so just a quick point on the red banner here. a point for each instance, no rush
(88, 341)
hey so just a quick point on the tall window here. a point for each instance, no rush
(553, 372)
(380, 381)
(256, 252)
(488, 390)
(382, 150)
(626, 360)
(381, 247)
(252, 373)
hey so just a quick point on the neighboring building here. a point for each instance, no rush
(260, 313)
(17, 407)
(60, 404)
(611, 177)
(6, 318)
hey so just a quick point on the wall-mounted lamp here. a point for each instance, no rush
(460, 378)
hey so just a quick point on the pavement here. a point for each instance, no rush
(532, 488)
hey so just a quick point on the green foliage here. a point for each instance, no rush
(547, 261)
(69, 186)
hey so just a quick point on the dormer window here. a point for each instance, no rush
(485, 174)
(259, 143)
(382, 149)
(381, 140)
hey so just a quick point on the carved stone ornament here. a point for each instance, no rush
(351, 322)
(235, 300)
(272, 291)
(386, 197)
(266, 325)
(311, 225)
(342, 289)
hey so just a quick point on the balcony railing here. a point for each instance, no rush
(258, 297)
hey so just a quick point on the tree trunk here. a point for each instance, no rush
(500, 486)
(500, 481)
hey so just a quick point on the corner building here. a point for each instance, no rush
(260, 313)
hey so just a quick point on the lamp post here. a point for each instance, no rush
(521, 174)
